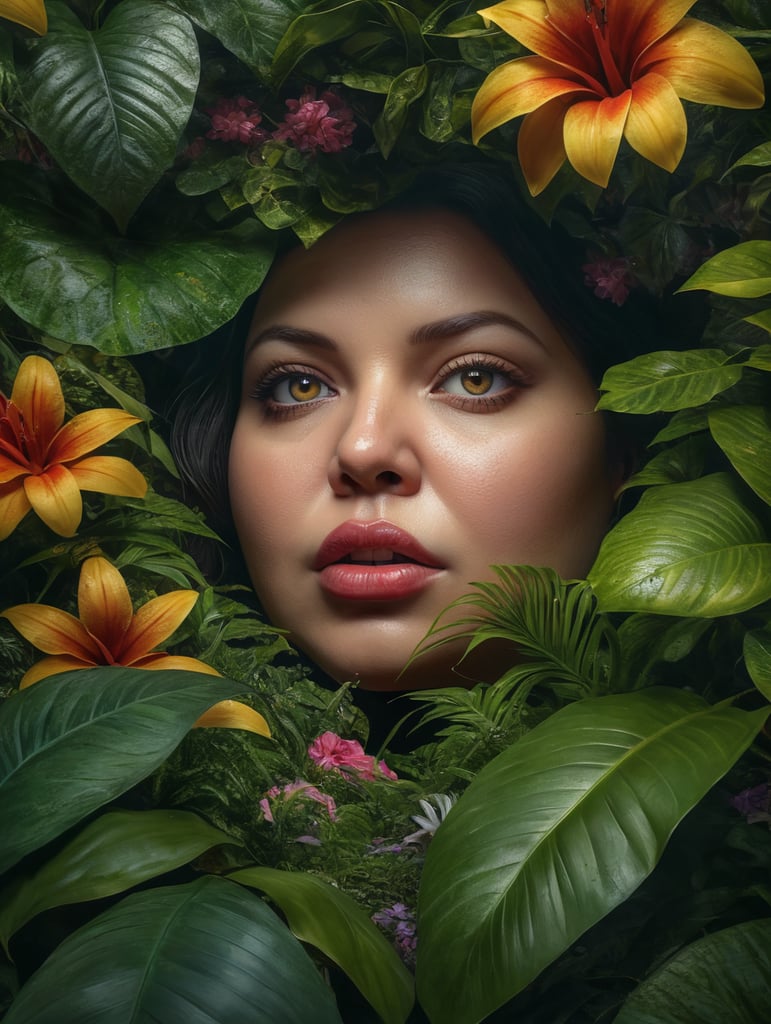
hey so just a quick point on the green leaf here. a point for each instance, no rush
(681, 462)
(757, 658)
(724, 978)
(407, 87)
(111, 854)
(251, 29)
(760, 156)
(325, 917)
(686, 549)
(77, 740)
(75, 280)
(205, 953)
(743, 271)
(557, 831)
(309, 31)
(744, 434)
(667, 381)
(110, 104)
(760, 358)
(761, 319)
(688, 421)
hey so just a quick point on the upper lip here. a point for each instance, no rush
(369, 538)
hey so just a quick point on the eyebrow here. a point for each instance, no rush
(437, 330)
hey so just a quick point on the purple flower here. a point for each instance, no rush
(398, 922)
(754, 803)
(294, 790)
(610, 279)
(326, 123)
(236, 120)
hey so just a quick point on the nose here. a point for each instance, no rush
(376, 449)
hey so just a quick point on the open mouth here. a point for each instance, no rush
(376, 557)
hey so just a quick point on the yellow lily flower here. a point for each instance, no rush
(603, 70)
(29, 13)
(109, 632)
(42, 463)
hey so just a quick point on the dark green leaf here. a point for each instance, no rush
(205, 953)
(724, 978)
(113, 853)
(110, 104)
(251, 29)
(75, 741)
(744, 434)
(667, 381)
(86, 286)
(757, 657)
(325, 917)
(687, 549)
(309, 31)
(407, 87)
(556, 832)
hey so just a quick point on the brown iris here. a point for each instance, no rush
(304, 388)
(476, 381)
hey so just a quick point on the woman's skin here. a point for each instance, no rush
(410, 416)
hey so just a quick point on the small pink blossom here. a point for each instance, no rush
(236, 120)
(610, 279)
(302, 789)
(333, 753)
(326, 123)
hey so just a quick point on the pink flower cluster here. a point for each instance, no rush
(299, 789)
(236, 120)
(324, 124)
(331, 752)
(610, 278)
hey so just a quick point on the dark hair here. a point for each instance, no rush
(547, 258)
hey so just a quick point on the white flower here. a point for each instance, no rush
(431, 819)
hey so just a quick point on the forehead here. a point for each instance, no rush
(414, 264)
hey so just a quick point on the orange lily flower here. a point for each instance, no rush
(42, 464)
(109, 632)
(29, 13)
(603, 70)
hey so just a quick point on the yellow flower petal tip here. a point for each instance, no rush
(43, 463)
(627, 66)
(231, 714)
(30, 14)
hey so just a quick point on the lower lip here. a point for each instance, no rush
(376, 582)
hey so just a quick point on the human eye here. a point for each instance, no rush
(480, 382)
(284, 390)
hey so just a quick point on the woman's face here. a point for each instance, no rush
(410, 416)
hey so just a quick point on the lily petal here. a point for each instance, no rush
(88, 430)
(593, 132)
(540, 147)
(232, 714)
(656, 126)
(104, 602)
(55, 497)
(14, 505)
(29, 13)
(154, 622)
(51, 667)
(109, 474)
(37, 394)
(54, 631)
(516, 88)
(557, 29)
(179, 661)
(642, 23)
(10, 470)
(706, 65)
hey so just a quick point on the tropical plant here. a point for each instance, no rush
(593, 842)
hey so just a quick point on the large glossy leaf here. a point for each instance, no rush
(110, 104)
(744, 434)
(110, 855)
(70, 276)
(757, 657)
(326, 918)
(251, 29)
(667, 381)
(724, 978)
(744, 271)
(316, 28)
(72, 742)
(556, 832)
(209, 952)
(687, 549)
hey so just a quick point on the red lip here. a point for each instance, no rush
(371, 576)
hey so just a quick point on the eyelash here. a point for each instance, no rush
(264, 390)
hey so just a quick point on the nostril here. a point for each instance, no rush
(389, 478)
